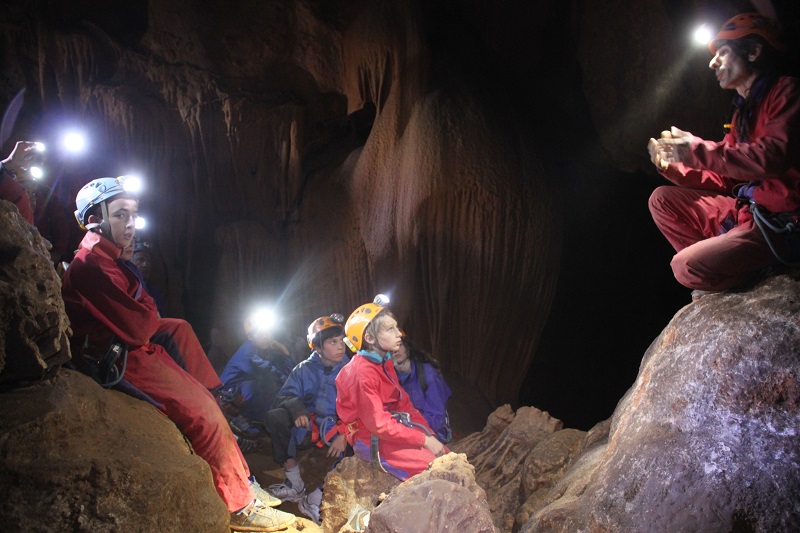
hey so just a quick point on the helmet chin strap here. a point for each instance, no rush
(105, 225)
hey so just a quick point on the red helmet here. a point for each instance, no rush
(748, 24)
(322, 323)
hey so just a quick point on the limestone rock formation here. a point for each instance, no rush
(76, 457)
(352, 483)
(33, 323)
(445, 497)
(707, 437)
(544, 466)
(499, 456)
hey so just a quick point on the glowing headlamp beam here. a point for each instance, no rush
(73, 142)
(131, 183)
(263, 319)
(703, 35)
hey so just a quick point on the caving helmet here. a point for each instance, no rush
(98, 192)
(360, 319)
(748, 24)
(316, 328)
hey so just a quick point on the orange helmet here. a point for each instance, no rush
(360, 319)
(748, 24)
(322, 323)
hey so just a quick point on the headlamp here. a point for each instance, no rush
(702, 35)
(263, 320)
(131, 184)
(73, 142)
(381, 299)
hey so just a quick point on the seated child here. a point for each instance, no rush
(420, 377)
(382, 424)
(305, 411)
(253, 376)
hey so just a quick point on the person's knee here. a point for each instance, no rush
(691, 272)
(278, 417)
(682, 271)
(659, 198)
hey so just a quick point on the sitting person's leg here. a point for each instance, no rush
(726, 261)
(192, 408)
(686, 216)
(400, 461)
(286, 440)
(194, 357)
(187, 403)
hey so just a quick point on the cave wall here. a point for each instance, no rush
(314, 158)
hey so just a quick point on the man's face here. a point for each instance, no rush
(143, 260)
(332, 350)
(389, 337)
(122, 214)
(731, 70)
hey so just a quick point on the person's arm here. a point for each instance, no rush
(435, 408)
(290, 395)
(104, 297)
(776, 149)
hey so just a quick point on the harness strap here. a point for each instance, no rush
(315, 431)
(405, 419)
(779, 223)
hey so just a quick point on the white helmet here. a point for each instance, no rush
(97, 192)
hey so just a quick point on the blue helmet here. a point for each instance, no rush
(98, 191)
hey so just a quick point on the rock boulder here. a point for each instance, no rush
(707, 437)
(76, 457)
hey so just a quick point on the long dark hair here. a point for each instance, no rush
(769, 65)
(417, 354)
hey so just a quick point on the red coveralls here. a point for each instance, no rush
(100, 300)
(691, 216)
(366, 395)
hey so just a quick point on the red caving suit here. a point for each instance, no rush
(693, 217)
(367, 395)
(100, 299)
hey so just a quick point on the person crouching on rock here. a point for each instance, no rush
(737, 199)
(108, 309)
(382, 424)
